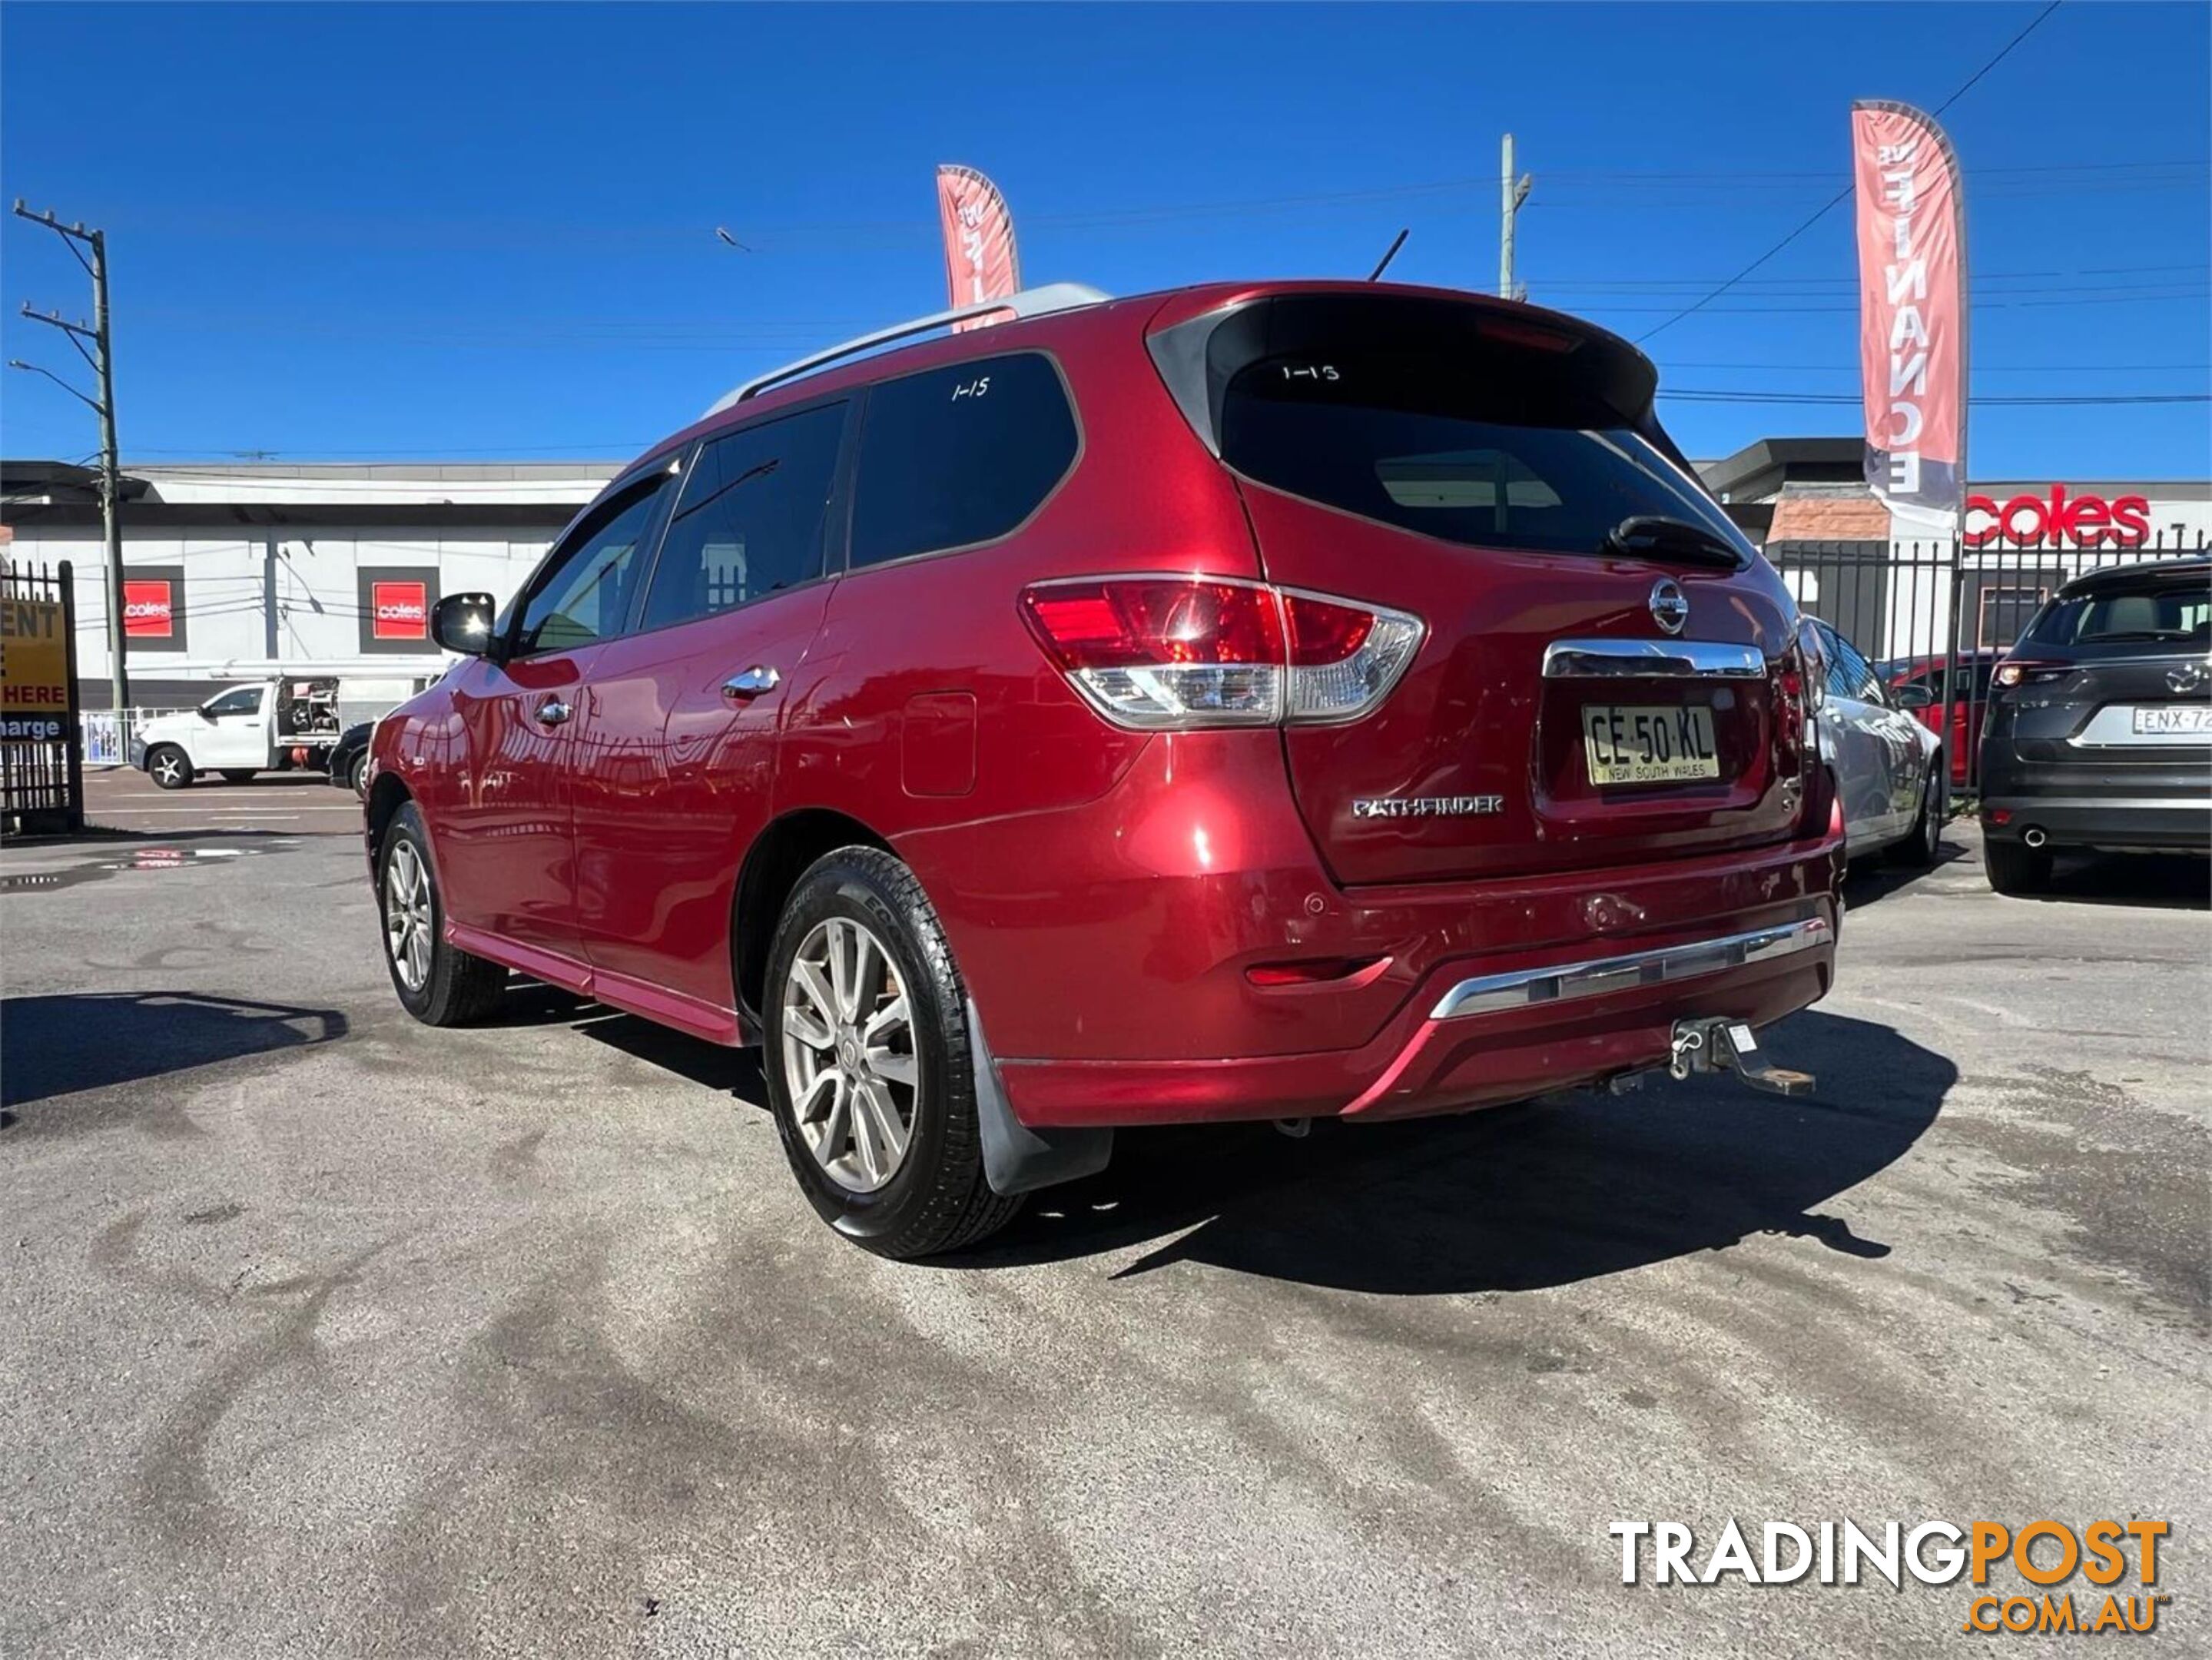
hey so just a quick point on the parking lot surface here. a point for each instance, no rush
(321, 1331)
(298, 803)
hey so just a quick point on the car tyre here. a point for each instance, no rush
(438, 983)
(358, 779)
(2015, 867)
(870, 1072)
(1917, 851)
(169, 767)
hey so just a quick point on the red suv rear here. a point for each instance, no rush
(1256, 701)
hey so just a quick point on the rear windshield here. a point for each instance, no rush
(1504, 451)
(2155, 616)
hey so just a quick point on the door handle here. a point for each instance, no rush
(551, 713)
(751, 683)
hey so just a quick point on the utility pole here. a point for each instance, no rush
(100, 358)
(1512, 191)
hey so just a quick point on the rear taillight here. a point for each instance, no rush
(2019, 671)
(1177, 653)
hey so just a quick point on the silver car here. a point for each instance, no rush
(1888, 766)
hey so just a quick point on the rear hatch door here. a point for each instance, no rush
(1574, 704)
(2117, 675)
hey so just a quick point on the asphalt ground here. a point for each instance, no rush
(323, 1332)
(298, 803)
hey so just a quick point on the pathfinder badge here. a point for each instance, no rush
(1427, 806)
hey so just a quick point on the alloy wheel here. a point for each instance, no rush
(849, 1056)
(168, 769)
(407, 915)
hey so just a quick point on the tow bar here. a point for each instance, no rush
(1715, 1044)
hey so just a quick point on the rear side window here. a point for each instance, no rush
(751, 520)
(1447, 421)
(958, 455)
(2155, 616)
(1848, 673)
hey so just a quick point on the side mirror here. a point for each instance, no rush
(205, 714)
(463, 621)
(1911, 697)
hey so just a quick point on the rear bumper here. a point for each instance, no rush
(2096, 799)
(2101, 821)
(1475, 1035)
(1124, 956)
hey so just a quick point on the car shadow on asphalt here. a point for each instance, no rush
(2164, 881)
(1513, 1200)
(1874, 877)
(530, 1003)
(63, 1043)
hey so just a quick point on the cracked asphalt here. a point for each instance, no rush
(322, 1332)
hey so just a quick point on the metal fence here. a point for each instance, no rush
(107, 737)
(1907, 605)
(41, 773)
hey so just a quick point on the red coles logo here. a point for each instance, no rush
(402, 610)
(2059, 521)
(148, 611)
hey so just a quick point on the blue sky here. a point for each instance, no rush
(489, 231)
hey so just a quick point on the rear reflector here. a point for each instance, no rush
(1178, 652)
(1346, 972)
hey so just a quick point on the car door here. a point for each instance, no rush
(674, 764)
(504, 838)
(236, 735)
(1864, 745)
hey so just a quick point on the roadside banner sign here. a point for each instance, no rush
(980, 261)
(41, 759)
(1912, 312)
(34, 679)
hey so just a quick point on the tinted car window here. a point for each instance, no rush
(587, 595)
(751, 518)
(1972, 676)
(958, 455)
(1468, 450)
(1849, 676)
(2155, 616)
(247, 700)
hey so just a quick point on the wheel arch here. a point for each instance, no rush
(778, 857)
(386, 797)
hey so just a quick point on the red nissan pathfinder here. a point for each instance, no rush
(1262, 700)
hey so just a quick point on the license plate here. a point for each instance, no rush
(2173, 717)
(1640, 743)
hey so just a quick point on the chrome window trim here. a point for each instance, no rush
(1657, 660)
(1490, 993)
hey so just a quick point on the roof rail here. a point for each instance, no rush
(1030, 302)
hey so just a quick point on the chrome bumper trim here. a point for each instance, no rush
(1659, 660)
(1488, 994)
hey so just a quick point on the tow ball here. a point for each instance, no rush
(1715, 1044)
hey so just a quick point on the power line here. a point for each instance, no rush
(1843, 195)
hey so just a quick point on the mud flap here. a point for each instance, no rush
(1017, 1159)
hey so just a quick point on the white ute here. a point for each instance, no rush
(274, 725)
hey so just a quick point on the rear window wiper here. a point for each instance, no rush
(1657, 536)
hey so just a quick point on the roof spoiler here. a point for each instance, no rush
(1030, 302)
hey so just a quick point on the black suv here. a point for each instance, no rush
(2099, 727)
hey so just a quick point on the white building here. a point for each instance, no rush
(237, 570)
